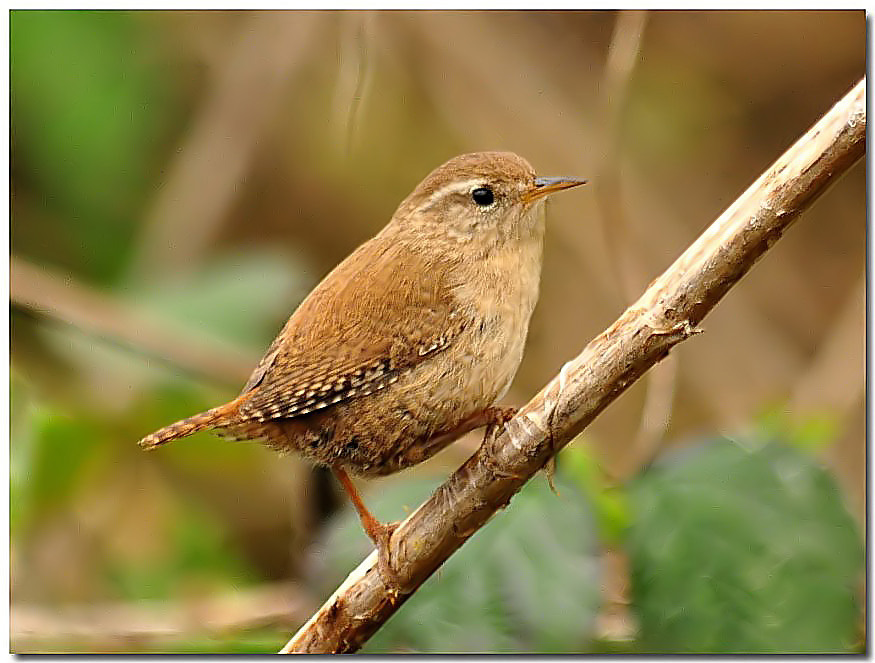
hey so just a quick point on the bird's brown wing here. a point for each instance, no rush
(365, 324)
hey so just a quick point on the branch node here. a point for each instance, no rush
(684, 329)
(489, 457)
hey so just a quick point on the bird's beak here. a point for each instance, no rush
(546, 185)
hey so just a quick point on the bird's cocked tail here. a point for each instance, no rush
(185, 427)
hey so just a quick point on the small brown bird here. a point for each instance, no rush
(407, 344)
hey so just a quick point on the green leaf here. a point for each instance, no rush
(196, 551)
(609, 501)
(526, 582)
(743, 551)
(812, 431)
(51, 452)
(241, 297)
(88, 115)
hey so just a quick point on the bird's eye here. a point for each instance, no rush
(483, 196)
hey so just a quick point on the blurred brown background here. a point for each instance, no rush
(181, 179)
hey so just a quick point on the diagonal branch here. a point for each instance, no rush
(667, 313)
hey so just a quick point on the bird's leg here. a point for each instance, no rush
(378, 532)
(490, 417)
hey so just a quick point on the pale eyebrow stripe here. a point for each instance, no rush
(454, 187)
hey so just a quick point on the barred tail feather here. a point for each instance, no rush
(183, 428)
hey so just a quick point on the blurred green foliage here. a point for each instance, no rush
(55, 450)
(735, 547)
(609, 500)
(253, 642)
(91, 109)
(47, 457)
(196, 550)
(68, 458)
(743, 547)
(61, 459)
(813, 432)
(216, 299)
(526, 582)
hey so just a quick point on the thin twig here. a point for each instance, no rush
(62, 298)
(117, 624)
(614, 620)
(622, 58)
(842, 353)
(549, 121)
(828, 387)
(354, 77)
(667, 313)
(626, 261)
(214, 157)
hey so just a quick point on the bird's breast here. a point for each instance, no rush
(497, 299)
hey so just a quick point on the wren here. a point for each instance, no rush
(409, 342)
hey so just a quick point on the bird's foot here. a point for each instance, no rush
(496, 418)
(380, 534)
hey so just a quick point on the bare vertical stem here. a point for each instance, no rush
(204, 178)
